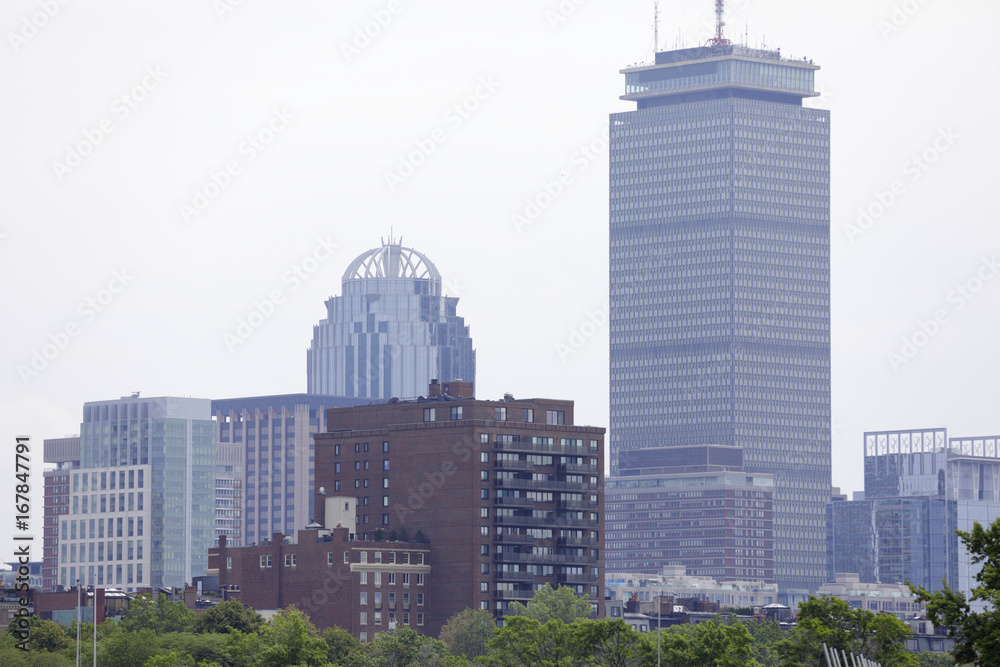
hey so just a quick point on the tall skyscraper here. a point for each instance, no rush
(391, 332)
(720, 276)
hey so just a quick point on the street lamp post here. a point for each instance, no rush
(77, 623)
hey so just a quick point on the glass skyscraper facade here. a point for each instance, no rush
(142, 501)
(391, 332)
(720, 277)
(920, 487)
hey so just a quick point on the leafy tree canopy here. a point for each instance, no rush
(225, 615)
(554, 603)
(467, 632)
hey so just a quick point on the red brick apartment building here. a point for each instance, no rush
(509, 493)
(365, 587)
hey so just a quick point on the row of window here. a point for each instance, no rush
(107, 481)
(115, 528)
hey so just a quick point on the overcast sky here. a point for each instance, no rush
(170, 166)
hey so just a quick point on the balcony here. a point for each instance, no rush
(547, 485)
(548, 522)
(515, 576)
(542, 558)
(513, 465)
(578, 504)
(514, 539)
(589, 468)
(580, 541)
(554, 448)
(578, 578)
(508, 501)
(513, 595)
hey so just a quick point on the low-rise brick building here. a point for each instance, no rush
(362, 586)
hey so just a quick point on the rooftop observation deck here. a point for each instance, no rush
(717, 68)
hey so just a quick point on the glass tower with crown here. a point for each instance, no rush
(391, 332)
(720, 279)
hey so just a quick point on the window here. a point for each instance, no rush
(484, 587)
(484, 531)
(377, 601)
(420, 582)
(363, 578)
(385, 464)
(484, 494)
(420, 619)
(428, 414)
(392, 600)
(484, 438)
(484, 457)
(364, 597)
(385, 519)
(364, 556)
(385, 447)
(391, 578)
(336, 450)
(406, 581)
(265, 561)
(357, 465)
(378, 618)
(378, 578)
(347, 557)
(385, 501)
(484, 475)
(363, 636)
(456, 412)
(385, 482)
(420, 597)
(484, 550)
(289, 560)
(484, 568)
(229, 559)
(336, 468)
(484, 512)
(336, 485)
(484, 605)
(555, 417)
(527, 415)
(500, 414)
(364, 618)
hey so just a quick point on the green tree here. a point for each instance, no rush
(159, 616)
(611, 643)
(976, 634)
(127, 649)
(554, 603)
(831, 621)
(341, 645)
(50, 636)
(194, 648)
(403, 647)
(225, 615)
(291, 639)
(526, 642)
(467, 632)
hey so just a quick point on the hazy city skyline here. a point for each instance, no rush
(173, 167)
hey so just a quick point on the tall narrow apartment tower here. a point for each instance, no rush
(720, 278)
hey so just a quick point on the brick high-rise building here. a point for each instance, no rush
(509, 493)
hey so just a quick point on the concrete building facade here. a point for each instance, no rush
(720, 277)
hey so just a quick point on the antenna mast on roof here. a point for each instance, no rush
(719, 40)
(656, 27)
